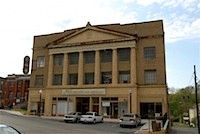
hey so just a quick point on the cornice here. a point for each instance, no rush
(92, 47)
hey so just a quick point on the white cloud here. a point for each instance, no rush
(179, 28)
(148, 2)
(172, 3)
(188, 5)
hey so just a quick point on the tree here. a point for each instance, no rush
(181, 101)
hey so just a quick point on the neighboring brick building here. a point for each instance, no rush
(2, 85)
(110, 69)
(15, 92)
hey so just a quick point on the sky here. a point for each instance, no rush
(21, 20)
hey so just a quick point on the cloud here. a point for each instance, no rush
(179, 28)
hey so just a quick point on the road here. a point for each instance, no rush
(37, 125)
(180, 129)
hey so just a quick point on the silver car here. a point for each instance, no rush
(73, 117)
(130, 119)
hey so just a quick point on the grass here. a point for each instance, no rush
(181, 124)
(23, 111)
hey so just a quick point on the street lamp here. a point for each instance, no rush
(40, 103)
(130, 97)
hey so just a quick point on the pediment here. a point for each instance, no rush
(90, 34)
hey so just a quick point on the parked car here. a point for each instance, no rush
(130, 119)
(72, 117)
(91, 117)
(6, 129)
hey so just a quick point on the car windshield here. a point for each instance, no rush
(73, 113)
(8, 130)
(128, 115)
(89, 114)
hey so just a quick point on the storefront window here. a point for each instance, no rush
(148, 110)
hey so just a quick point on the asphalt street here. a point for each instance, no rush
(182, 129)
(52, 125)
(37, 125)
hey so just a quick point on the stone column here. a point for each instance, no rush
(114, 67)
(97, 68)
(90, 104)
(133, 66)
(135, 100)
(80, 69)
(50, 71)
(100, 106)
(65, 69)
(74, 103)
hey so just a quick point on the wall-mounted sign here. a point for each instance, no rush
(105, 104)
(26, 64)
(83, 91)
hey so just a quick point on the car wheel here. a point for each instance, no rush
(77, 120)
(94, 121)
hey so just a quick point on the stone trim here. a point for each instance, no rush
(93, 47)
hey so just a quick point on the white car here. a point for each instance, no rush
(73, 117)
(5, 129)
(130, 119)
(91, 117)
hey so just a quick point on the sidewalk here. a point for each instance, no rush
(50, 117)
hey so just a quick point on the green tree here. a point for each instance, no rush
(181, 101)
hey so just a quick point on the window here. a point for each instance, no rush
(89, 78)
(58, 59)
(150, 109)
(26, 96)
(11, 95)
(124, 54)
(39, 80)
(19, 83)
(149, 53)
(11, 83)
(57, 79)
(73, 58)
(150, 76)
(106, 77)
(89, 57)
(73, 79)
(106, 55)
(124, 76)
(40, 61)
(18, 94)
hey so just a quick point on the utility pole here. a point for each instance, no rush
(196, 93)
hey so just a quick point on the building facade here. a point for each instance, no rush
(111, 69)
(15, 91)
(2, 87)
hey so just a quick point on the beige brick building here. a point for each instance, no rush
(110, 69)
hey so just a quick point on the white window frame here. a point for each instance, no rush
(40, 61)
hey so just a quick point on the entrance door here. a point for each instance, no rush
(115, 110)
(82, 104)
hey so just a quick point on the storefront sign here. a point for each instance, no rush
(83, 91)
(105, 104)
